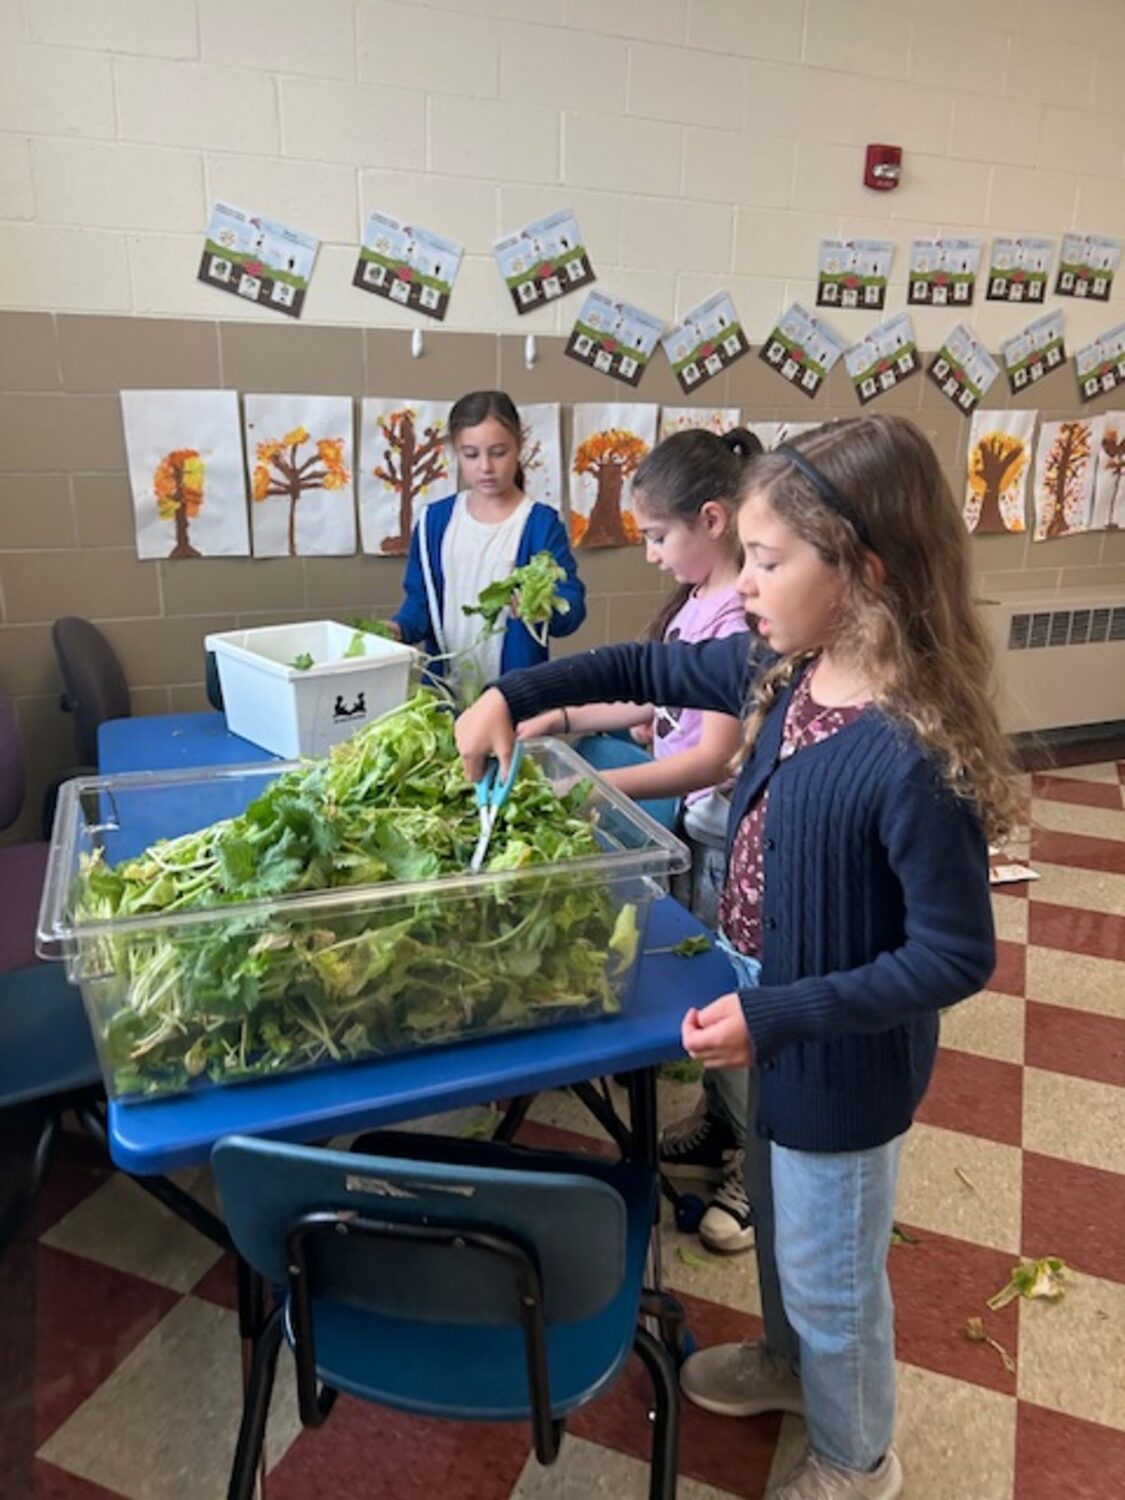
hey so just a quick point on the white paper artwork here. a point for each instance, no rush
(609, 441)
(405, 462)
(185, 469)
(718, 419)
(299, 453)
(541, 453)
(1065, 463)
(1109, 487)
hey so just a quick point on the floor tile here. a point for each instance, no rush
(1069, 817)
(969, 1454)
(1072, 1352)
(1010, 912)
(1102, 770)
(1089, 890)
(1078, 1042)
(1059, 1456)
(1076, 981)
(1008, 976)
(1074, 1118)
(989, 1024)
(586, 1469)
(1074, 1212)
(51, 1483)
(122, 1226)
(1082, 850)
(932, 1195)
(976, 1095)
(1077, 789)
(163, 1426)
(1099, 934)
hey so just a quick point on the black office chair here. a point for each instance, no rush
(95, 686)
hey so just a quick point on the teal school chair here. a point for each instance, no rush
(465, 1280)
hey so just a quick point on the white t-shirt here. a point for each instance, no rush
(473, 555)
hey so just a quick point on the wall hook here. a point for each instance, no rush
(530, 353)
(417, 343)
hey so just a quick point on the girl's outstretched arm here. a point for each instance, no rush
(704, 765)
(572, 589)
(591, 718)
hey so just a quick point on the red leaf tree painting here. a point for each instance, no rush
(609, 457)
(1065, 481)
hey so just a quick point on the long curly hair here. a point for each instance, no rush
(915, 630)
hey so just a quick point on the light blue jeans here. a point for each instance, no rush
(822, 1233)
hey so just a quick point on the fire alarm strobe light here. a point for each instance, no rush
(882, 168)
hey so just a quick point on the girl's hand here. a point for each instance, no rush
(395, 628)
(641, 734)
(550, 722)
(485, 729)
(718, 1035)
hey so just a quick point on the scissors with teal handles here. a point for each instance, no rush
(491, 794)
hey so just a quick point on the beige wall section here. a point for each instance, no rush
(66, 519)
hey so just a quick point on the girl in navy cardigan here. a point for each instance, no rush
(856, 904)
(467, 541)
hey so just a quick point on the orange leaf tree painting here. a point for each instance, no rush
(177, 485)
(281, 469)
(609, 456)
(409, 468)
(996, 468)
(1113, 447)
(1064, 479)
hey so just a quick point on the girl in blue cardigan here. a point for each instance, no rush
(465, 542)
(856, 904)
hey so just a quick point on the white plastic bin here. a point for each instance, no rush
(302, 711)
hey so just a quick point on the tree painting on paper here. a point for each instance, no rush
(1065, 490)
(411, 464)
(609, 457)
(532, 458)
(283, 470)
(177, 485)
(997, 465)
(1113, 460)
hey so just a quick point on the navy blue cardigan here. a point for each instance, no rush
(876, 908)
(542, 532)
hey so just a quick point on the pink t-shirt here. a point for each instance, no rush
(705, 618)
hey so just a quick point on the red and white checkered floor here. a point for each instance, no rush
(119, 1352)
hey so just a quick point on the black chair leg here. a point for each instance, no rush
(255, 1410)
(17, 1211)
(666, 1427)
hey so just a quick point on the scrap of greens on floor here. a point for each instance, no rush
(274, 986)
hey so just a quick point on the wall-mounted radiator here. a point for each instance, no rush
(1060, 658)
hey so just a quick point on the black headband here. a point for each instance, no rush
(828, 493)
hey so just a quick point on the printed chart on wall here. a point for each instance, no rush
(708, 340)
(614, 338)
(883, 358)
(1035, 352)
(185, 470)
(999, 464)
(541, 452)
(963, 369)
(609, 442)
(258, 259)
(1100, 366)
(943, 273)
(773, 434)
(543, 261)
(1087, 265)
(411, 267)
(1019, 269)
(716, 419)
(1109, 498)
(1065, 466)
(300, 452)
(405, 462)
(802, 349)
(853, 273)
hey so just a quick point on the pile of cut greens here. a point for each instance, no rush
(264, 990)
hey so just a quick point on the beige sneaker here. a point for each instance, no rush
(740, 1380)
(727, 1228)
(815, 1478)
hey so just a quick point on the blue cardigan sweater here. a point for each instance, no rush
(542, 532)
(876, 907)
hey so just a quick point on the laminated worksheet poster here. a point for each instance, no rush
(258, 259)
(802, 349)
(708, 340)
(853, 273)
(185, 470)
(541, 452)
(299, 453)
(1000, 444)
(405, 462)
(1065, 466)
(609, 441)
(943, 272)
(543, 261)
(883, 358)
(963, 369)
(407, 265)
(1087, 265)
(613, 337)
(1035, 352)
(1019, 269)
(1100, 366)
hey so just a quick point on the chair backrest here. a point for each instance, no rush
(574, 1226)
(95, 685)
(12, 768)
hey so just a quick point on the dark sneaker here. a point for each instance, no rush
(699, 1146)
(740, 1380)
(727, 1227)
(815, 1478)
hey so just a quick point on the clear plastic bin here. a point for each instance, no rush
(188, 999)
